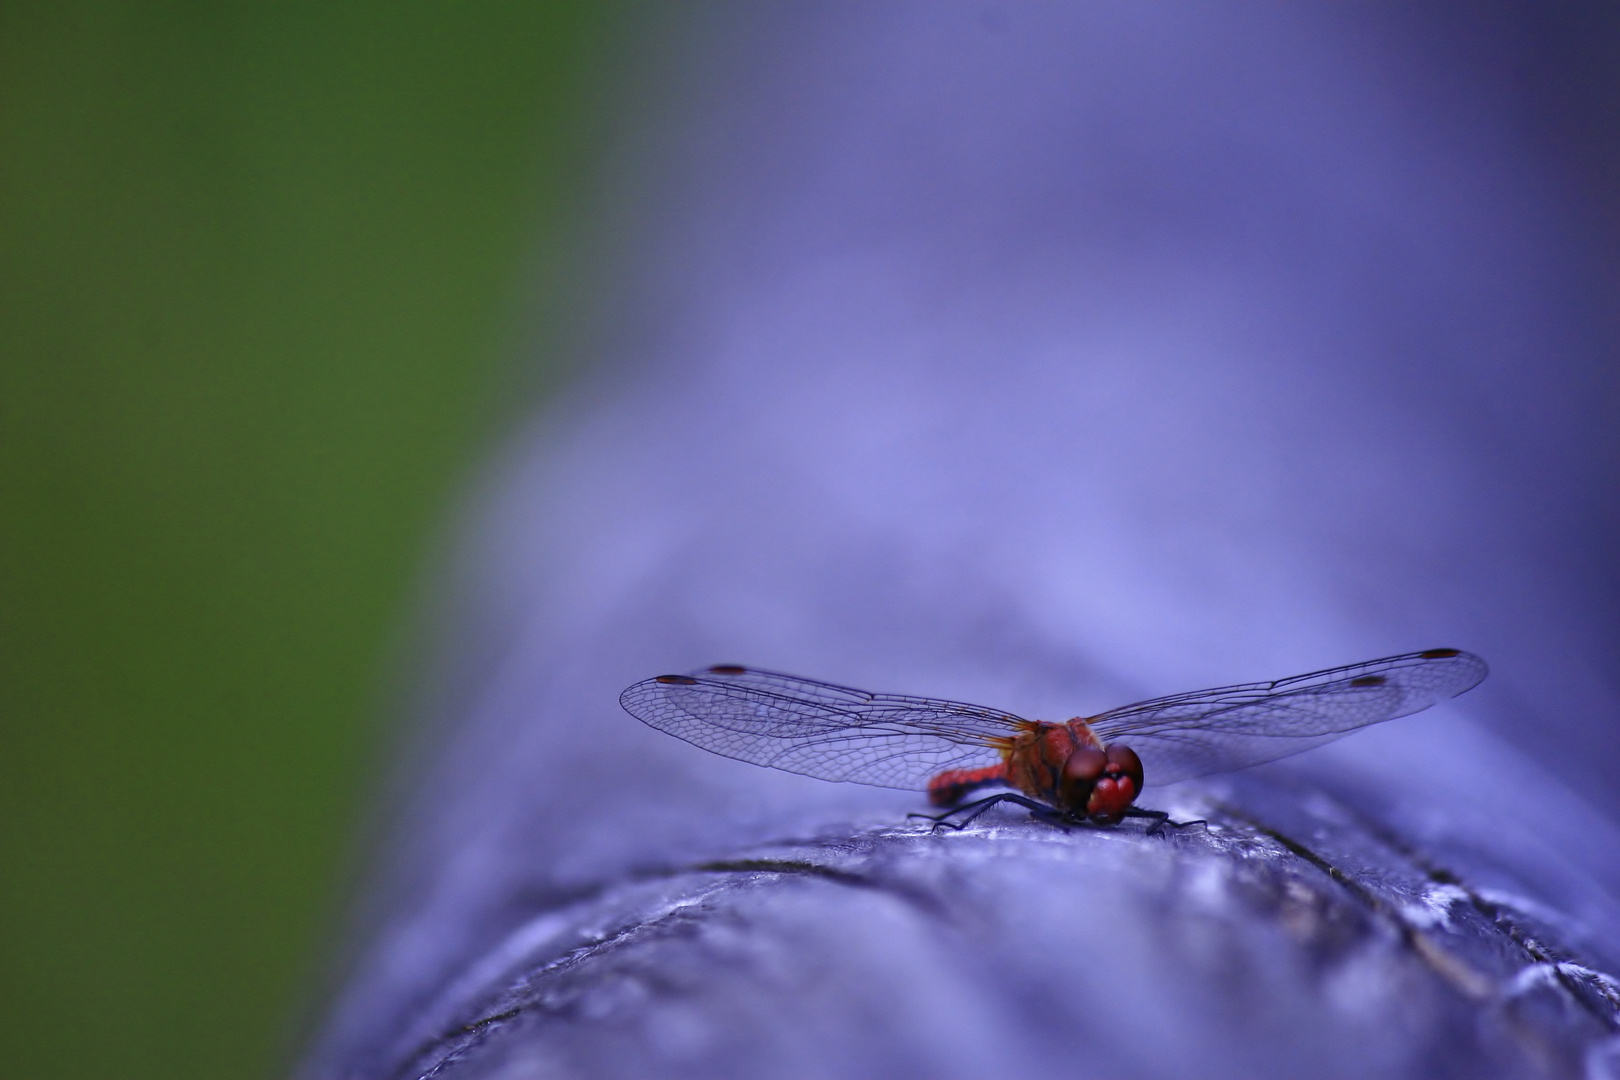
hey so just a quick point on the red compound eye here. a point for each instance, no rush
(1125, 760)
(1117, 788)
(1080, 774)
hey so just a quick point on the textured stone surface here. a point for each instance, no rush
(1290, 937)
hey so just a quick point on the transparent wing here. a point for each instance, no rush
(818, 729)
(1232, 727)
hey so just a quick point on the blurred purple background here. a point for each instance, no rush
(1049, 356)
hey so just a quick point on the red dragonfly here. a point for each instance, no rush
(1087, 770)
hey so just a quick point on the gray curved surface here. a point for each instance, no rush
(1011, 949)
(1049, 357)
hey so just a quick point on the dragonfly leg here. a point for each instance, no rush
(1160, 819)
(974, 809)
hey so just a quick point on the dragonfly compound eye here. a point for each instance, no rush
(1080, 775)
(1125, 760)
(1117, 787)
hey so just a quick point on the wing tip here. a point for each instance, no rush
(1472, 663)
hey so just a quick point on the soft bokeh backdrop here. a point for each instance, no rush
(259, 268)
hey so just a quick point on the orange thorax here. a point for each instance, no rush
(1067, 766)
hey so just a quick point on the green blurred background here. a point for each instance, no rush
(261, 269)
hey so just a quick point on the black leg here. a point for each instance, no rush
(1160, 819)
(974, 809)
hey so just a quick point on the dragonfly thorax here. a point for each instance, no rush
(1067, 766)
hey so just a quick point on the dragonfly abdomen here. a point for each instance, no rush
(952, 786)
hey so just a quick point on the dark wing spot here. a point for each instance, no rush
(727, 669)
(1369, 680)
(1439, 654)
(678, 680)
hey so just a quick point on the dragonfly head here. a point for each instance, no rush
(1101, 784)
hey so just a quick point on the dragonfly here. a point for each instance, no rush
(1087, 770)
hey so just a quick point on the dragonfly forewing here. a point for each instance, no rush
(820, 729)
(1233, 727)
